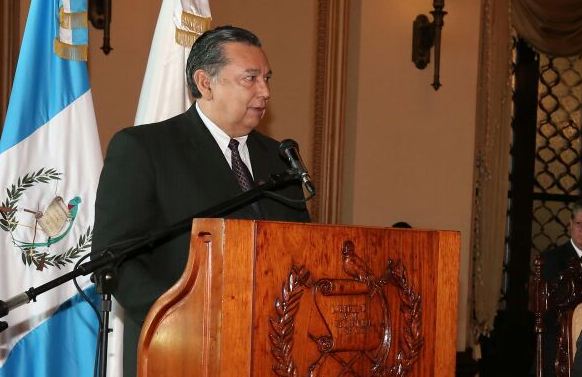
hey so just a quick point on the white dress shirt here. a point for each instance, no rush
(222, 139)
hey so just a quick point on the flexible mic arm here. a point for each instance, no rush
(116, 253)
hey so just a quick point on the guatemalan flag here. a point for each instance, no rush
(50, 162)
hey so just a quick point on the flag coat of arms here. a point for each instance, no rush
(50, 162)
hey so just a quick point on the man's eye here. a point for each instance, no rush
(250, 78)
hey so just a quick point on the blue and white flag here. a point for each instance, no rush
(50, 162)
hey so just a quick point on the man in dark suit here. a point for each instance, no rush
(158, 174)
(555, 261)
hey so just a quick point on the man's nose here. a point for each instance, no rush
(264, 89)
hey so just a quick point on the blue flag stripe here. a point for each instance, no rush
(40, 352)
(77, 5)
(42, 86)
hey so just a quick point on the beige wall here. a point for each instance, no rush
(116, 78)
(288, 36)
(410, 148)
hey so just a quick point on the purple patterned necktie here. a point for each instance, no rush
(241, 172)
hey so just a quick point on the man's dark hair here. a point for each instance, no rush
(576, 207)
(207, 52)
(401, 224)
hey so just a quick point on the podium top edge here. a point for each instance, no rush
(310, 224)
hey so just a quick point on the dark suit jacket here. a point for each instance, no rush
(555, 261)
(156, 175)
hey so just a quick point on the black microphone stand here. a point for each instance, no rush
(103, 265)
(105, 285)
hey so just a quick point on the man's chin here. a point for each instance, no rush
(244, 129)
(253, 122)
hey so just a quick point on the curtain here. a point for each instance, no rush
(9, 44)
(550, 26)
(492, 142)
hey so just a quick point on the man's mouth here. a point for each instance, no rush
(258, 109)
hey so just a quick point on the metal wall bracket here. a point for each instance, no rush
(100, 17)
(425, 36)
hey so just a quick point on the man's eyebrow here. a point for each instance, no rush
(257, 71)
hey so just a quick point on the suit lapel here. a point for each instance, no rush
(571, 251)
(219, 179)
(204, 148)
(259, 158)
(262, 170)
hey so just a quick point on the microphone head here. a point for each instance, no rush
(289, 150)
(286, 145)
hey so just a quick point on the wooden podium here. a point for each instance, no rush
(262, 298)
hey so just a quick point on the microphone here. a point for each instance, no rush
(290, 151)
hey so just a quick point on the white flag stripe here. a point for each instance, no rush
(200, 8)
(164, 92)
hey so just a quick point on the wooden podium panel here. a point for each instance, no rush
(262, 298)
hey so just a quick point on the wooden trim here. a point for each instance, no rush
(10, 42)
(330, 99)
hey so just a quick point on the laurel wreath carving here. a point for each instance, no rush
(43, 259)
(284, 324)
(411, 340)
(8, 221)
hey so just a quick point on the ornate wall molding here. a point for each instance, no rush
(330, 98)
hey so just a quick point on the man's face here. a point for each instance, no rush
(576, 229)
(240, 91)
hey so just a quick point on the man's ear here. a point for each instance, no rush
(203, 80)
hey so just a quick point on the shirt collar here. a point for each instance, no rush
(578, 251)
(219, 135)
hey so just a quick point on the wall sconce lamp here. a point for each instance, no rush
(100, 17)
(425, 35)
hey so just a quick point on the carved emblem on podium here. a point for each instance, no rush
(350, 327)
